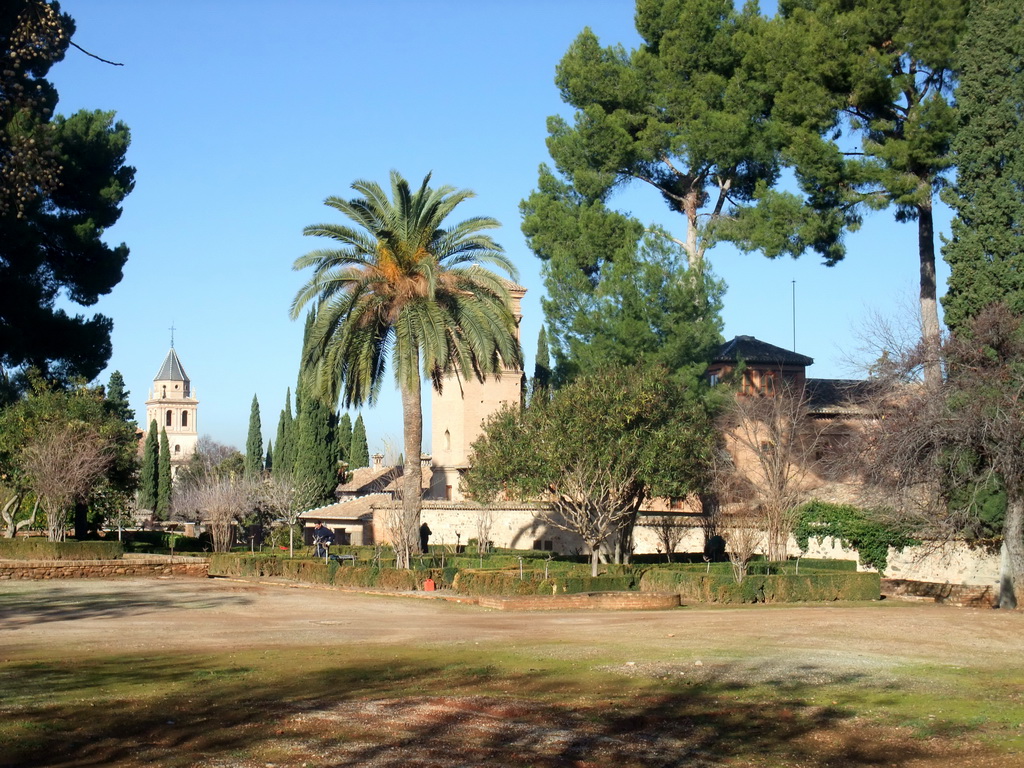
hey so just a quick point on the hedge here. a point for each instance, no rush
(722, 588)
(486, 582)
(38, 548)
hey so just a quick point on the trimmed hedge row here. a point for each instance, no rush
(318, 572)
(485, 582)
(693, 585)
(38, 548)
(756, 588)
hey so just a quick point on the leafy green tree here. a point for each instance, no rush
(149, 472)
(163, 485)
(268, 465)
(63, 430)
(284, 460)
(254, 442)
(986, 252)
(606, 442)
(62, 182)
(401, 282)
(887, 79)
(646, 309)
(682, 114)
(359, 448)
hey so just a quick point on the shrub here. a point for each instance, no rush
(759, 588)
(223, 564)
(42, 549)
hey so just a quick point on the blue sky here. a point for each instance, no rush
(246, 115)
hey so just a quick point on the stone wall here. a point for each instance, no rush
(103, 569)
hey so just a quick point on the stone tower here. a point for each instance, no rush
(459, 412)
(173, 405)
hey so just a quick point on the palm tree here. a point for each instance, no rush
(401, 286)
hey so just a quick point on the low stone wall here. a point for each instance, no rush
(150, 567)
(967, 596)
(601, 601)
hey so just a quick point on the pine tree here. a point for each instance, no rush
(269, 464)
(117, 399)
(283, 458)
(254, 443)
(359, 453)
(986, 253)
(163, 484)
(148, 473)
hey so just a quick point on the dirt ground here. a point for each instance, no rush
(742, 646)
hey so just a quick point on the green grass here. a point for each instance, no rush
(249, 705)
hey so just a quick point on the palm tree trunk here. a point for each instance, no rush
(412, 493)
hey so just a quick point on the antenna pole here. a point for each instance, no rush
(794, 315)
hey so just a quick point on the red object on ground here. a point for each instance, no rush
(428, 585)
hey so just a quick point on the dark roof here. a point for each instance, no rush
(172, 370)
(752, 350)
(833, 395)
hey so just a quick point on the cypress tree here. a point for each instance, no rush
(148, 473)
(163, 484)
(542, 368)
(269, 464)
(254, 443)
(343, 437)
(986, 252)
(283, 458)
(359, 453)
(316, 463)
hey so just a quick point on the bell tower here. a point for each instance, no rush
(459, 412)
(173, 405)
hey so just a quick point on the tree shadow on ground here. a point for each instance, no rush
(68, 604)
(410, 712)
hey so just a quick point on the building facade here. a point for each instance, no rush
(172, 404)
(459, 411)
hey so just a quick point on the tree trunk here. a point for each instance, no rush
(1011, 580)
(595, 556)
(929, 303)
(412, 492)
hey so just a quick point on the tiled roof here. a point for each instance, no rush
(350, 509)
(426, 473)
(368, 480)
(752, 350)
(172, 369)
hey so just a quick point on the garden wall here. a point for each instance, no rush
(12, 570)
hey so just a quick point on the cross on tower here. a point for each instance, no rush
(172, 329)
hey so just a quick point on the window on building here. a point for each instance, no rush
(447, 493)
(163, 392)
(168, 418)
(184, 418)
(177, 449)
(713, 379)
(447, 440)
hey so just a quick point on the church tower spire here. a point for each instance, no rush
(173, 405)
